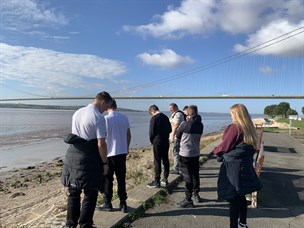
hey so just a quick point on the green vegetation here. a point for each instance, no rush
(294, 123)
(282, 109)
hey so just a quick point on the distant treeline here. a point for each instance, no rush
(60, 107)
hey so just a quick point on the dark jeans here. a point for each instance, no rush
(85, 215)
(117, 165)
(189, 167)
(161, 154)
(238, 209)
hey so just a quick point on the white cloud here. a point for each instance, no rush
(265, 70)
(52, 71)
(166, 59)
(200, 17)
(293, 46)
(247, 16)
(22, 15)
(192, 17)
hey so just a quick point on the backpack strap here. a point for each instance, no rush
(180, 112)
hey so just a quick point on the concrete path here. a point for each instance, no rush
(281, 201)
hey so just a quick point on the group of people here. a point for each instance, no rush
(99, 146)
(98, 149)
(184, 131)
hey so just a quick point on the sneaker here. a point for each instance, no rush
(197, 198)
(241, 225)
(164, 182)
(123, 207)
(173, 171)
(105, 207)
(153, 184)
(185, 204)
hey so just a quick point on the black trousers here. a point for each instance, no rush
(161, 155)
(238, 209)
(83, 216)
(189, 167)
(117, 165)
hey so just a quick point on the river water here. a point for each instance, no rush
(35, 135)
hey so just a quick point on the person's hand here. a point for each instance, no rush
(105, 169)
(171, 140)
(220, 157)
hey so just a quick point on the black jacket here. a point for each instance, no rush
(82, 165)
(237, 176)
(160, 128)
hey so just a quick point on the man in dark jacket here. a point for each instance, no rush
(189, 133)
(85, 161)
(159, 131)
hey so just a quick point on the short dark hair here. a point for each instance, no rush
(113, 104)
(153, 108)
(104, 96)
(192, 110)
(186, 107)
(173, 105)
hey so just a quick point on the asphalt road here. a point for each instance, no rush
(280, 202)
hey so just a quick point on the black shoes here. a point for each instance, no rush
(173, 171)
(153, 184)
(185, 204)
(108, 207)
(196, 198)
(164, 182)
(123, 207)
(105, 207)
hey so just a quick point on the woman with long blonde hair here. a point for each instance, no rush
(237, 176)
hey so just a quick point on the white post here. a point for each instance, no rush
(290, 126)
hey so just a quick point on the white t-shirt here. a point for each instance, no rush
(117, 125)
(89, 123)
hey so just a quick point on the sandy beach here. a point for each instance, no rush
(25, 192)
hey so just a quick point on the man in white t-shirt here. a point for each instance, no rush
(85, 161)
(118, 142)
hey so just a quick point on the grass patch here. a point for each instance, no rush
(206, 140)
(294, 123)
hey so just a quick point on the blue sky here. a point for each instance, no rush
(69, 48)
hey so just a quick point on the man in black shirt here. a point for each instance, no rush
(159, 131)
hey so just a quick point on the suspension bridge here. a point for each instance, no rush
(155, 98)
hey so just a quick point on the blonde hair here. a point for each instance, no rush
(243, 120)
